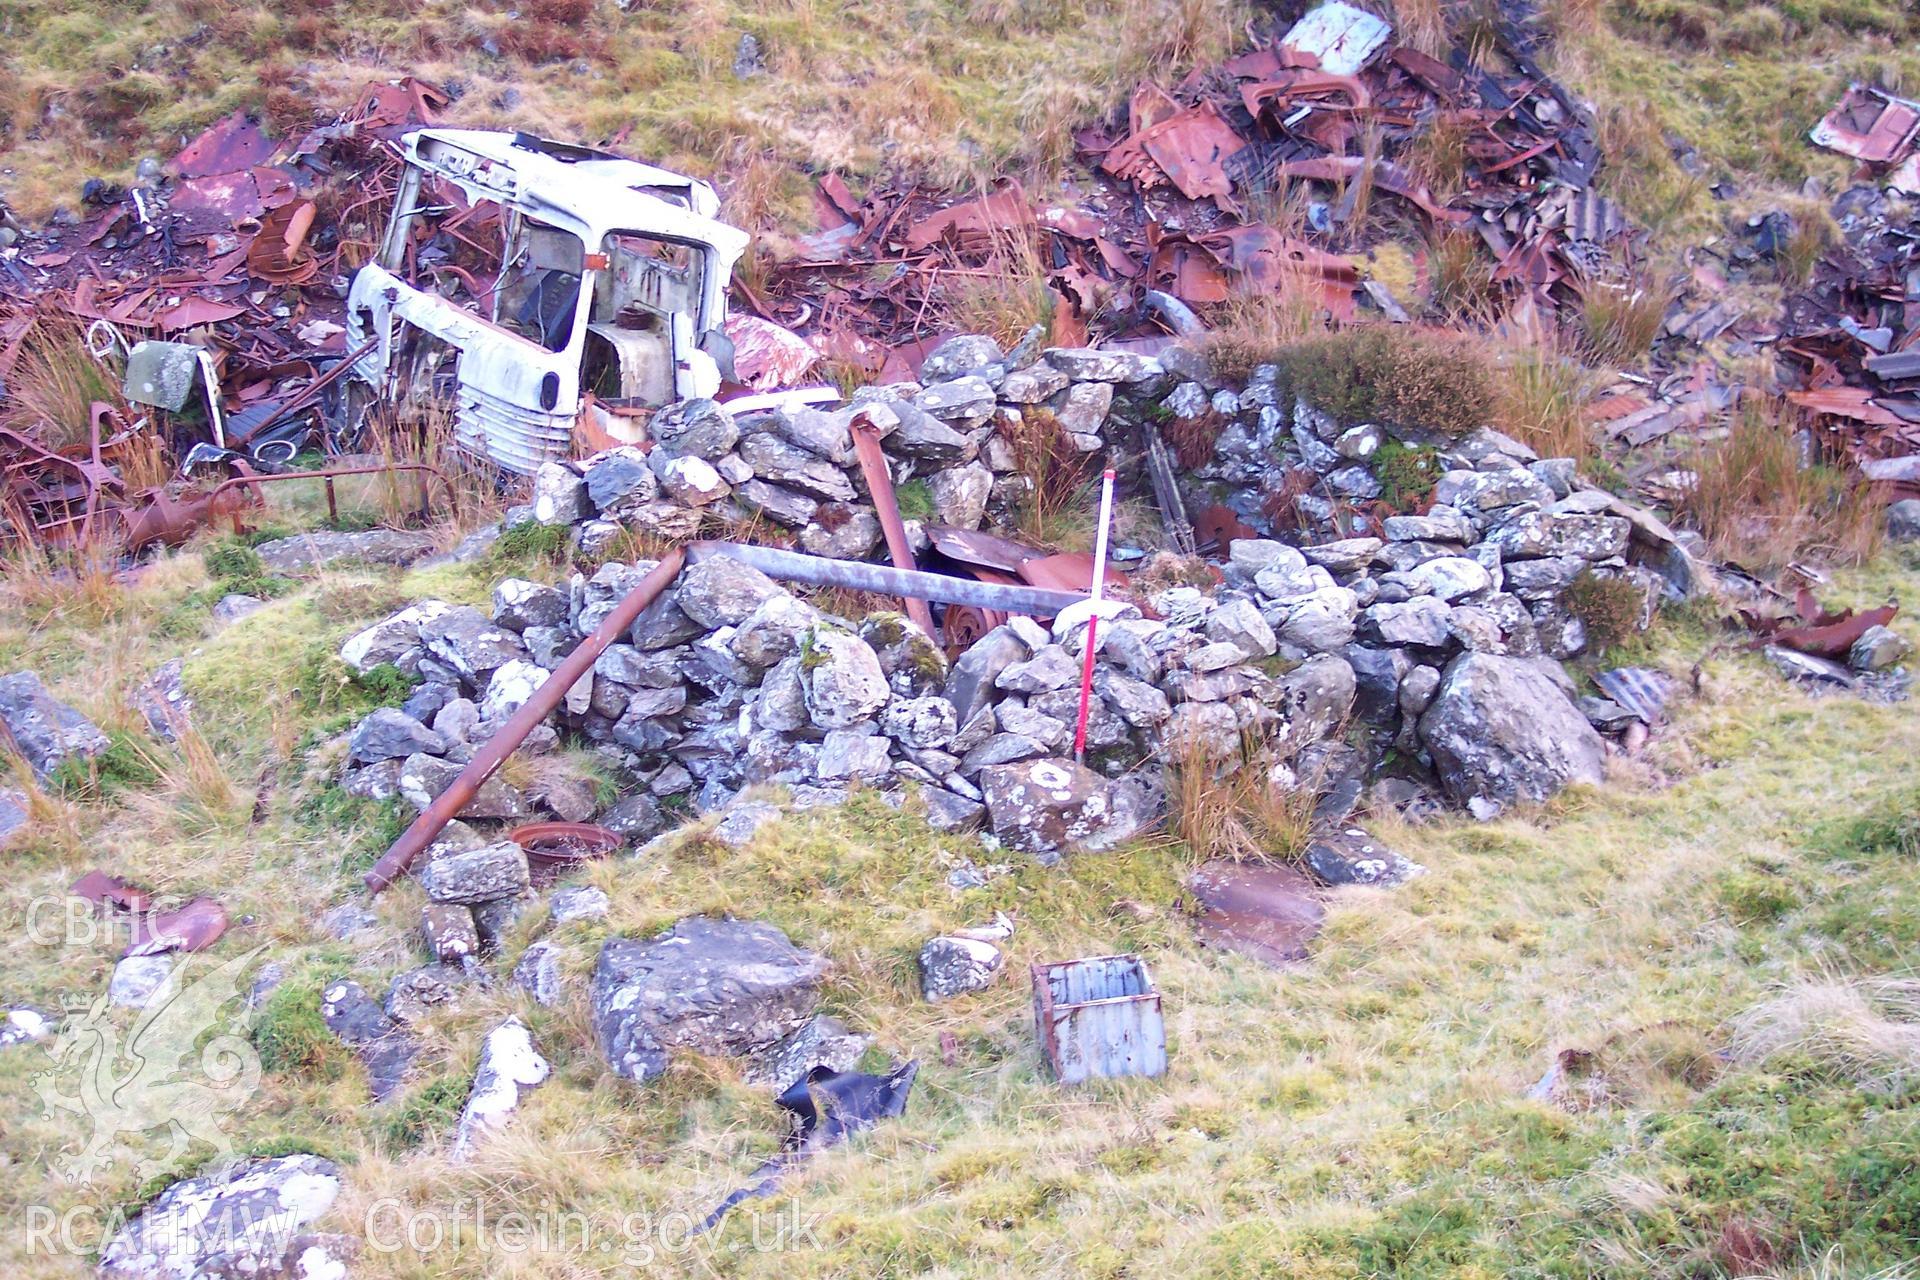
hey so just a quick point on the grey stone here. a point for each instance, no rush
(1877, 649)
(1421, 621)
(1439, 524)
(855, 532)
(824, 1041)
(1254, 555)
(1351, 856)
(928, 722)
(1417, 688)
(1903, 520)
(1084, 410)
(420, 993)
(1501, 730)
(853, 754)
(826, 435)
(1447, 578)
(469, 643)
(382, 1045)
(971, 683)
(234, 606)
(776, 461)
(242, 1220)
(723, 592)
(46, 732)
(514, 684)
(389, 734)
(510, 1068)
(706, 985)
(477, 875)
(163, 701)
(559, 495)
(637, 817)
(960, 494)
(578, 902)
(844, 682)
(537, 973)
(776, 502)
(138, 979)
(947, 811)
(1049, 668)
(958, 356)
(1033, 384)
(968, 399)
(1088, 364)
(1355, 482)
(1538, 533)
(1348, 555)
(1239, 623)
(424, 777)
(23, 1025)
(620, 480)
(955, 966)
(742, 821)
(921, 435)
(1321, 621)
(1490, 490)
(772, 631)
(698, 428)
(1045, 806)
(306, 551)
(449, 930)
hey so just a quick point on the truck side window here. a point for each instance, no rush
(538, 293)
(647, 280)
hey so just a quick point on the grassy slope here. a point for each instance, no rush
(1361, 1115)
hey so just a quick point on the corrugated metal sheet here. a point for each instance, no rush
(1099, 1017)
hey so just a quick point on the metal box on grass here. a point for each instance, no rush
(1099, 1017)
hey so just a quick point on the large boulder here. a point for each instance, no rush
(1502, 729)
(844, 682)
(1046, 806)
(243, 1220)
(46, 731)
(710, 986)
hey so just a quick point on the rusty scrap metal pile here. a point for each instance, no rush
(1852, 336)
(214, 292)
(1173, 204)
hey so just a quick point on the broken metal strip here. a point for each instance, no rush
(794, 566)
(873, 466)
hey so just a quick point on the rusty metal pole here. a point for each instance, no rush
(873, 465)
(537, 708)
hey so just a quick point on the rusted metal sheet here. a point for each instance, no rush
(1869, 124)
(1641, 690)
(232, 144)
(194, 927)
(767, 356)
(279, 253)
(1099, 1018)
(1269, 912)
(973, 222)
(1189, 149)
(1820, 633)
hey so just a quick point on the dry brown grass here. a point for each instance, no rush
(1620, 320)
(80, 585)
(1238, 810)
(54, 385)
(1541, 401)
(1438, 153)
(1421, 25)
(1759, 503)
(1250, 330)
(1459, 279)
(1008, 295)
(1055, 509)
(426, 436)
(1864, 1029)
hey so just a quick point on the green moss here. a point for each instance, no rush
(236, 569)
(531, 542)
(124, 765)
(1406, 472)
(915, 500)
(1755, 897)
(429, 1110)
(291, 1036)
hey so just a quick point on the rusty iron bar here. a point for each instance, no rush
(819, 571)
(873, 465)
(414, 840)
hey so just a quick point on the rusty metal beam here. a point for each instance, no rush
(414, 840)
(873, 465)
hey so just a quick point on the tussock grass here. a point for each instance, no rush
(1542, 402)
(1862, 1029)
(1761, 503)
(1241, 810)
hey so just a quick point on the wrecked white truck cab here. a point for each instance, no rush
(572, 285)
